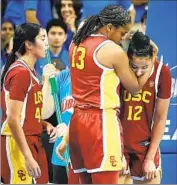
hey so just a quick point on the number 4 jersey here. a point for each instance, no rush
(94, 85)
(137, 111)
(21, 84)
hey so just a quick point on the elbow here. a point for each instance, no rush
(12, 121)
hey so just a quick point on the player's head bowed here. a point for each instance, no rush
(115, 15)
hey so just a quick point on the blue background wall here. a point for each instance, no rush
(162, 28)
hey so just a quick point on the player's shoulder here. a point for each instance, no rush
(18, 69)
(164, 68)
(113, 49)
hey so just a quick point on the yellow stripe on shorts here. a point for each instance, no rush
(19, 174)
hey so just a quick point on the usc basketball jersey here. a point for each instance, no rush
(137, 111)
(21, 83)
(94, 84)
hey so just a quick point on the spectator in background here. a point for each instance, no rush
(35, 11)
(70, 11)
(57, 34)
(7, 33)
(66, 103)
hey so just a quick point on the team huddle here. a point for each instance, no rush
(119, 99)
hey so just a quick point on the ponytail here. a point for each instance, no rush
(11, 60)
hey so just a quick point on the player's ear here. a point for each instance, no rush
(28, 44)
(109, 27)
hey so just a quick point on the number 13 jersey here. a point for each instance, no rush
(93, 85)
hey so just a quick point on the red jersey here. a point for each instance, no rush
(21, 83)
(94, 85)
(137, 111)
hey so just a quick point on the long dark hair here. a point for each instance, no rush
(24, 32)
(140, 46)
(77, 5)
(114, 14)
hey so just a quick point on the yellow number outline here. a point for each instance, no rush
(80, 64)
(136, 116)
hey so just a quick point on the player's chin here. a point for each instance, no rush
(42, 54)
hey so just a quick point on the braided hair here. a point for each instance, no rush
(114, 14)
(24, 32)
(140, 46)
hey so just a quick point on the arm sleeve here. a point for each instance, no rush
(17, 83)
(164, 86)
(30, 5)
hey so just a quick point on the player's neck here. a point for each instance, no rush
(55, 50)
(102, 31)
(29, 60)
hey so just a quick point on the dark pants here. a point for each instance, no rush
(59, 174)
(49, 146)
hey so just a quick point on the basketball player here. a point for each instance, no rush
(22, 154)
(143, 116)
(98, 66)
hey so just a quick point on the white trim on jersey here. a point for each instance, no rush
(159, 68)
(158, 74)
(36, 79)
(94, 55)
(80, 170)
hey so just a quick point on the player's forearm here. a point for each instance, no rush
(142, 80)
(132, 13)
(19, 136)
(48, 102)
(156, 136)
(66, 136)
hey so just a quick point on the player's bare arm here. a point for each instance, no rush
(156, 136)
(62, 146)
(48, 102)
(13, 119)
(119, 61)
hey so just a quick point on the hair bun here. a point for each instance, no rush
(140, 40)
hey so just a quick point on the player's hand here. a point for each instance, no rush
(32, 167)
(128, 36)
(61, 129)
(70, 21)
(48, 71)
(52, 132)
(149, 169)
(61, 149)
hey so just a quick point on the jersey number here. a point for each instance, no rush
(80, 63)
(136, 115)
(38, 114)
